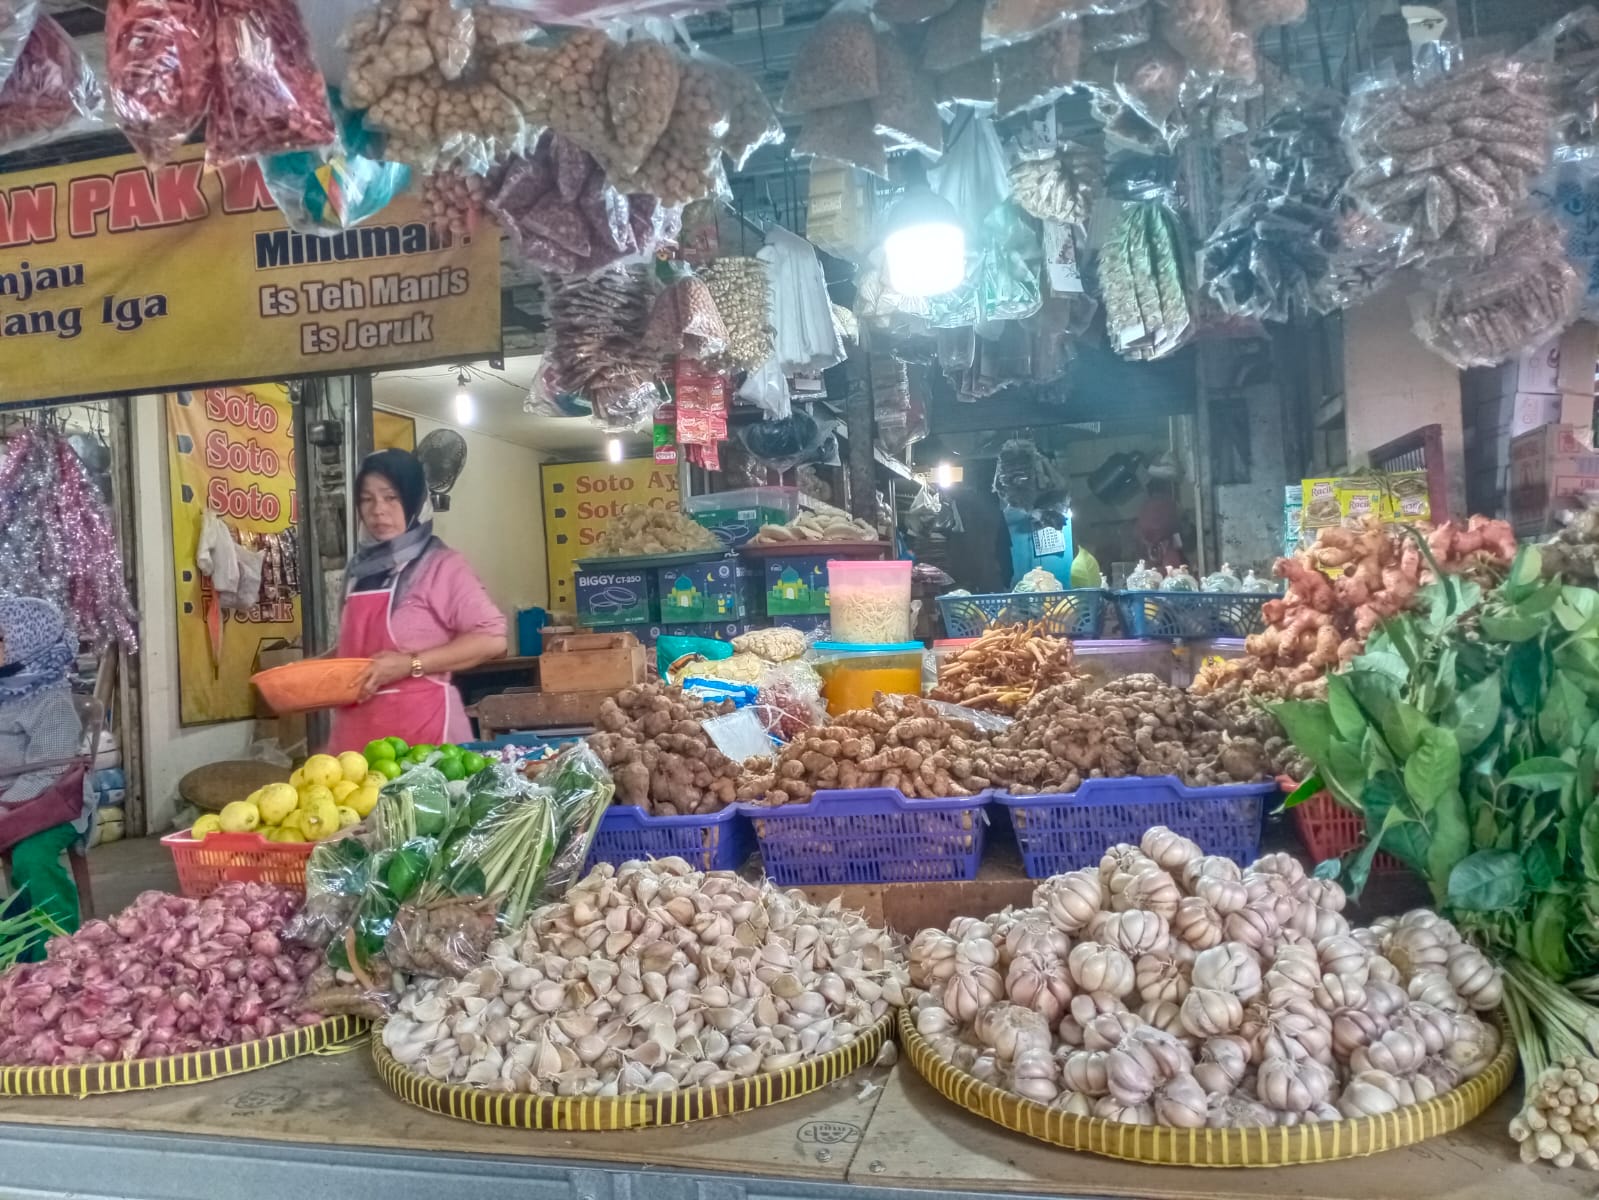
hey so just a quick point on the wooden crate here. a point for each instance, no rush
(582, 662)
(509, 711)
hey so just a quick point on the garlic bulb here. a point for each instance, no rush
(1096, 967)
(1086, 1007)
(1197, 922)
(1223, 1063)
(1110, 1109)
(1134, 933)
(1224, 896)
(1479, 983)
(971, 929)
(1292, 1085)
(1039, 981)
(1170, 851)
(1165, 1015)
(1322, 893)
(1076, 1103)
(1122, 858)
(1010, 1030)
(1475, 1043)
(1384, 999)
(1285, 866)
(1343, 955)
(1432, 987)
(1071, 900)
(1436, 1027)
(970, 990)
(1128, 1077)
(1036, 1075)
(1032, 932)
(1338, 991)
(932, 957)
(1105, 1031)
(1229, 967)
(1416, 948)
(1353, 1028)
(1086, 1071)
(1208, 1013)
(1398, 1052)
(1238, 1112)
(1161, 977)
(1182, 1102)
(1254, 927)
(1369, 1094)
(973, 951)
(1216, 866)
(1151, 890)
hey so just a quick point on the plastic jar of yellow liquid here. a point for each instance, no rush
(852, 674)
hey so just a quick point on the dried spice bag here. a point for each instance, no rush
(955, 38)
(1484, 312)
(50, 89)
(905, 110)
(836, 65)
(160, 60)
(597, 350)
(16, 23)
(1450, 158)
(1039, 72)
(844, 134)
(270, 96)
(684, 165)
(1006, 22)
(684, 320)
(1059, 186)
(1271, 259)
(1103, 33)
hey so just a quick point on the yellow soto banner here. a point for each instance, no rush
(231, 450)
(117, 278)
(579, 501)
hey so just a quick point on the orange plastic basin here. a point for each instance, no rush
(314, 683)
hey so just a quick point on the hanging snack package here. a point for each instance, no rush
(836, 65)
(910, 12)
(844, 134)
(1039, 72)
(640, 91)
(577, 76)
(1149, 79)
(1199, 30)
(451, 33)
(752, 122)
(741, 289)
(976, 82)
(1006, 22)
(1484, 312)
(1106, 32)
(905, 110)
(16, 23)
(270, 96)
(329, 191)
(685, 163)
(955, 38)
(50, 90)
(160, 61)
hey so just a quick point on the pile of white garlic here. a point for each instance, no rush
(1170, 987)
(649, 978)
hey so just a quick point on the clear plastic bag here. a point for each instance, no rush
(160, 63)
(836, 65)
(269, 96)
(444, 938)
(1007, 22)
(972, 174)
(1149, 78)
(1105, 33)
(684, 321)
(640, 89)
(905, 110)
(752, 122)
(846, 135)
(50, 90)
(685, 164)
(1199, 30)
(322, 192)
(974, 83)
(1040, 71)
(766, 387)
(16, 23)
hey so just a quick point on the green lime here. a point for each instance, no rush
(388, 768)
(377, 750)
(421, 750)
(473, 762)
(451, 769)
(399, 746)
(451, 751)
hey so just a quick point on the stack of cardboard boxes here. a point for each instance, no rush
(1529, 430)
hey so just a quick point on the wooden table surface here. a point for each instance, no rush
(877, 1128)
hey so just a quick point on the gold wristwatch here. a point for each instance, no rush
(416, 667)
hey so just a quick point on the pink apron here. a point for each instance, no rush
(418, 710)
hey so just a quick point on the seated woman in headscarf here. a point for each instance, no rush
(42, 812)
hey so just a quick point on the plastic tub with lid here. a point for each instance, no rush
(869, 602)
(852, 674)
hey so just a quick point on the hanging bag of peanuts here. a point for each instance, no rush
(685, 164)
(742, 293)
(837, 64)
(160, 60)
(640, 92)
(270, 95)
(752, 122)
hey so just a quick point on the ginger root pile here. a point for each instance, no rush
(900, 742)
(1352, 580)
(1004, 668)
(663, 761)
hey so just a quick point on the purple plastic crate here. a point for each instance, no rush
(871, 835)
(722, 842)
(1063, 832)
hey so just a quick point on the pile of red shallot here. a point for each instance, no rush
(166, 976)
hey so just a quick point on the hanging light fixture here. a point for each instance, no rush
(465, 404)
(924, 245)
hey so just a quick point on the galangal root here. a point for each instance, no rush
(1004, 669)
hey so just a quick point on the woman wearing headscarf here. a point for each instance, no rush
(42, 812)
(415, 608)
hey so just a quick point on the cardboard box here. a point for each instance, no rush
(1562, 364)
(581, 662)
(1547, 467)
(718, 590)
(796, 585)
(615, 598)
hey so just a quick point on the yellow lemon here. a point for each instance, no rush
(208, 824)
(240, 817)
(348, 816)
(364, 799)
(276, 801)
(297, 779)
(291, 827)
(279, 835)
(321, 820)
(343, 788)
(353, 765)
(323, 769)
(314, 794)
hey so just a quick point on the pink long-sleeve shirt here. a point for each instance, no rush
(444, 601)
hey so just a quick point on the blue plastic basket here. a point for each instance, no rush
(1179, 615)
(717, 843)
(1069, 830)
(871, 835)
(1079, 613)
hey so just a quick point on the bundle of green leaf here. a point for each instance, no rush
(23, 933)
(1467, 734)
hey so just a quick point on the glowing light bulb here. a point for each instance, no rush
(944, 474)
(924, 248)
(465, 406)
(613, 450)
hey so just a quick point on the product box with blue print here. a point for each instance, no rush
(609, 598)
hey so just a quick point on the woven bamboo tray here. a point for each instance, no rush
(589, 1114)
(1164, 1146)
(200, 1066)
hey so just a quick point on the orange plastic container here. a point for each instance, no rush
(314, 683)
(852, 675)
(206, 865)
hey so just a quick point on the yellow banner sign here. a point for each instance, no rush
(580, 499)
(119, 278)
(231, 451)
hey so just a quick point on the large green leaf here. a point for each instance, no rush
(1487, 881)
(1360, 865)
(1348, 767)
(1346, 713)
(1577, 609)
(1378, 695)
(1550, 920)
(1408, 725)
(1309, 725)
(1588, 843)
(1526, 568)
(1524, 671)
(1433, 770)
(1540, 774)
(1564, 716)
(1383, 802)
(1510, 627)
(1541, 863)
(1449, 840)
(1304, 791)
(1578, 659)
(1474, 713)
(1380, 662)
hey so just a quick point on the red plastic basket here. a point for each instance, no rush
(206, 865)
(1329, 830)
